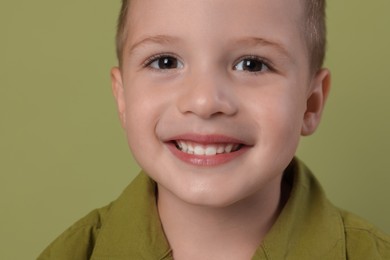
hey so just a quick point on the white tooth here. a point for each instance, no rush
(221, 149)
(228, 148)
(211, 150)
(179, 145)
(184, 146)
(190, 149)
(199, 150)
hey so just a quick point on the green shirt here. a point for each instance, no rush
(309, 227)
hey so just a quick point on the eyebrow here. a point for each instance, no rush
(164, 39)
(157, 39)
(266, 43)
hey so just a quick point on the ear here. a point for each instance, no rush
(319, 90)
(118, 92)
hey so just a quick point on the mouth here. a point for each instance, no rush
(206, 150)
(190, 147)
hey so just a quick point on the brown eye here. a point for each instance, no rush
(165, 63)
(251, 65)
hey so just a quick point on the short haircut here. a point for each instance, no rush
(314, 31)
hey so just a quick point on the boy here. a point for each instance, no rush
(214, 96)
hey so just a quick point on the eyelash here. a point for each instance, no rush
(148, 62)
(265, 62)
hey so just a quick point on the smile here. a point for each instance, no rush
(209, 150)
(206, 149)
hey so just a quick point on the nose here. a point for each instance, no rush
(208, 95)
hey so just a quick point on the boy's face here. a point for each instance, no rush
(227, 79)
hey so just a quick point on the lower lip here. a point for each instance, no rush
(203, 160)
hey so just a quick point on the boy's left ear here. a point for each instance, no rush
(319, 91)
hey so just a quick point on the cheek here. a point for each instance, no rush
(146, 104)
(141, 101)
(140, 114)
(278, 116)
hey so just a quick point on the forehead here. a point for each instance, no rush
(217, 20)
(149, 11)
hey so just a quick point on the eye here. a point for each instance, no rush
(252, 64)
(164, 62)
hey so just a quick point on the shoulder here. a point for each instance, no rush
(363, 240)
(77, 242)
(104, 228)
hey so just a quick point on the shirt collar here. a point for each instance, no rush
(132, 230)
(308, 227)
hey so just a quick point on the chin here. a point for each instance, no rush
(221, 198)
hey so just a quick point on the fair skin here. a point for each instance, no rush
(230, 79)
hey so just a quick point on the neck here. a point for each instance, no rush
(231, 232)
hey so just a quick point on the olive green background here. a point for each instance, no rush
(63, 153)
